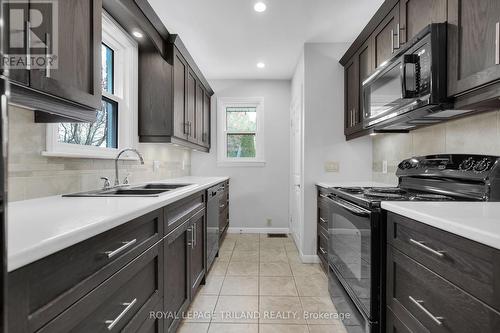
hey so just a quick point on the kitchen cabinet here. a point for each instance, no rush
(387, 37)
(197, 251)
(322, 228)
(415, 15)
(177, 275)
(473, 44)
(224, 212)
(72, 89)
(178, 116)
(351, 93)
(425, 266)
(43, 290)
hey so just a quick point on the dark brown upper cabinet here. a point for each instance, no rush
(205, 136)
(415, 15)
(200, 96)
(72, 88)
(351, 95)
(387, 37)
(180, 74)
(473, 45)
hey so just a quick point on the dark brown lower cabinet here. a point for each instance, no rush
(197, 252)
(439, 282)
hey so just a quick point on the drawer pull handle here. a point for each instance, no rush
(122, 248)
(418, 303)
(323, 220)
(222, 206)
(128, 306)
(322, 250)
(425, 247)
(323, 196)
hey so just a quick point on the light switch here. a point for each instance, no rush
(331, 166)
(384, 166)
(156, 166)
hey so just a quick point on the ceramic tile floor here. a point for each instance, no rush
(259, 285)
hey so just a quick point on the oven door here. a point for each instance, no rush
(351, 251)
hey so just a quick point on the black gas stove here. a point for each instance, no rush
(357, 231)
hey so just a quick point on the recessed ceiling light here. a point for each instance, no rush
(137, 34)
(259, 7)
(261, 65)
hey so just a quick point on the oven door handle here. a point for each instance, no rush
(351, 208)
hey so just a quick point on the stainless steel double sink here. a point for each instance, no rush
(147, 190)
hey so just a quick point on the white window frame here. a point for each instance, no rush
(125, 75)
(222, 160)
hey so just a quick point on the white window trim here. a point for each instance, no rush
(125, 73)
(222, 159)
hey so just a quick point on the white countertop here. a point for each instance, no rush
(366, 183)
(477, 221)
(40, 227)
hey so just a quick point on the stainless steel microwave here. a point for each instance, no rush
(410, 90)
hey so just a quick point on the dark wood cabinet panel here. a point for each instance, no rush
(45, 288)
(471, 266)
(191, 106)
(77, 77)
(386, 37)
(115, 302)
(180, 69)
(351, 95)
(198, 130)
(197, 252)
(205, 136)
(421, 292)
(415, 15)
(473, 46)
(177, 275)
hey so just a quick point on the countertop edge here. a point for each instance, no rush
(50, 246)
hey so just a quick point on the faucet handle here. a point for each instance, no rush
(107, 183)
(126, 181)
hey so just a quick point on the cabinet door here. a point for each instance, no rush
(366, 61)
(77, 76)
(15, 43)
(206, 121)
(177, 274)
(473, 44)
(200, 93)
(351, 92)
(191, 106)
(417, 14)
(197, 252)
(180, 69)
(386, 37)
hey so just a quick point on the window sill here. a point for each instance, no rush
(241, 164)
(89, 155)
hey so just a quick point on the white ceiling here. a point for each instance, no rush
(227, 38)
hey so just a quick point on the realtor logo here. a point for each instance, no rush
(31, 34)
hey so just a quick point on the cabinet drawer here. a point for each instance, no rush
(322, 245)
(43, 289)
(404, 323)
(143, 322)
(182, 210)
(127, 295)
(471, 266)
(436, 303)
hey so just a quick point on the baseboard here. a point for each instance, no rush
(309, 258)
(236, 230)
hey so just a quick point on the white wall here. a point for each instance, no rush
(324, 138)
(256, 193)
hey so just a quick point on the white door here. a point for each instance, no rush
(296, 161)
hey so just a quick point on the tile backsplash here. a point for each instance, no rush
(479, 134)
(32, 175)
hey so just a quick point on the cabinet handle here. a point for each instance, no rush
(322, 250)
(392, 40)
(195, 227)
(497, 44)
(418, 303)
(128, 306)
(48, 45)
(323, 220)
(122, 248)
(28, 45)
(323, 196)
(427, 248)
(398, 36)
(222, 206)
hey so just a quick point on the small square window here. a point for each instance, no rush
(241, 119)
(241, 145)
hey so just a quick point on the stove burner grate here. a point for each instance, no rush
(352, 190)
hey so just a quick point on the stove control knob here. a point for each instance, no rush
(482, 165)
(466, 164)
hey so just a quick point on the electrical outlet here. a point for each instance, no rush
(269, 222)
(384, 166)
(156, 166)
(331, 166)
